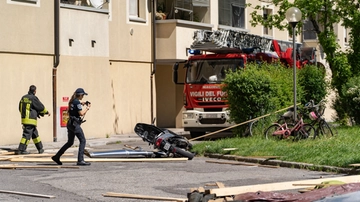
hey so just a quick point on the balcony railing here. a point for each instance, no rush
(97, 4)
(189, 10)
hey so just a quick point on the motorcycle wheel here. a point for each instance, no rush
(184, 153)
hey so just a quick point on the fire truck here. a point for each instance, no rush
(213, 54)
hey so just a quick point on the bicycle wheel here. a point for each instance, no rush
(254, 127)
(269, 133)
(307, 131)
(325, 129)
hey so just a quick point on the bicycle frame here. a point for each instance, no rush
(284, 131)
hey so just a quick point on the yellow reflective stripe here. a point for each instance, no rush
(28, 121)
(44, 111)
(27, 115)
(24, 141)
(37, 140)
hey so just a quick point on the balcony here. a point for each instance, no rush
(174, 37)
(176, 22)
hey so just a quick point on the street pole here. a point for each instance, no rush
(294, 66)
(293, 16)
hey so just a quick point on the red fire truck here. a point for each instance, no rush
(214, 53)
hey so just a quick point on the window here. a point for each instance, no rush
(232, 13)
(134, 8)
(267, 30)
(308, 31)
(346, 36)
(137, 10)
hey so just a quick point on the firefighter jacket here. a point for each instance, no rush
(30, 108)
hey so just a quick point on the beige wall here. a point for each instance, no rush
(116, 72)
(27, 28)
(130, 40)
(18, 72)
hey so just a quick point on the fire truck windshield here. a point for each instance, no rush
(211, 70)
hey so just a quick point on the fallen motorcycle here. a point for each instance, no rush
(164, 140)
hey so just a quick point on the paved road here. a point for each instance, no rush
(164, 179)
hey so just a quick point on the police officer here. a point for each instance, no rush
(76, 115)
(30, 109)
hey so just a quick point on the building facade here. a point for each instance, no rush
(119, 51)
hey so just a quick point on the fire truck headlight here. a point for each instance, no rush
(188, 115)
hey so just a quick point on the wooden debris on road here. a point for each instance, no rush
(16, 166)
(144, 197)
(4, 153)
(26, 194)
(202, 191)
(229, 191)
(240, 163)
(230, 149)
(74, 160)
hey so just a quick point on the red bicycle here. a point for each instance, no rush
(298, 131)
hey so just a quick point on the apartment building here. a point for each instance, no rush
(114, 50)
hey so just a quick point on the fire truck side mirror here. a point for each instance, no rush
(175, 73)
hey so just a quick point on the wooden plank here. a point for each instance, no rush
(144, 197)
(26, 194)
(231, 163)
(230, 149)
(217, 200)
(228, 191)
(31, 167)
(40, 155)
(73, 160)
(221, 185)
(268, 166)
(263, 157)
(7, 153)
(243, 164)
(236, 125)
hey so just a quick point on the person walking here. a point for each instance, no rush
(30, 109)
(76, 116)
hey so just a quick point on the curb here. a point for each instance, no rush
(287, 164)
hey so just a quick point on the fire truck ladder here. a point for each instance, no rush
(228, 41)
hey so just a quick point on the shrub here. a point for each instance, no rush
(261, 89)
(350, 98)
(313, 82)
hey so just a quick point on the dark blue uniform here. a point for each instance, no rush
(74, 129)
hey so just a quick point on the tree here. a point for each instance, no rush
(323, 14)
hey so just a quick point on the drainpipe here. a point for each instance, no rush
(56, 63)
(153, 45)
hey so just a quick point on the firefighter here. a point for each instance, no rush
(30, 109)
(76, 116)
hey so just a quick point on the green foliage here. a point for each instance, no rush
(323, 15)
(312, 79)
(341, 71)
(340, 150)
(257, 90)
(351, 98)
(262, 89)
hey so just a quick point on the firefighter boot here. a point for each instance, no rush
(38, 145)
